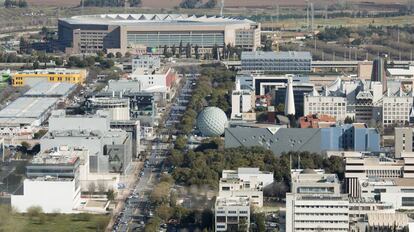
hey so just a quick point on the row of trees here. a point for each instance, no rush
(213, 88)
(14, 3)
(191, 4)
(205, 167)
(190, 50)
(110, 3)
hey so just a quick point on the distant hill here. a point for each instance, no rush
(228, 3)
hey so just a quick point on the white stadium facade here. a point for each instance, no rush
(151, 32)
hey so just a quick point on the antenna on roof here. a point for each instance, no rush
(221, 8)
(82, 6)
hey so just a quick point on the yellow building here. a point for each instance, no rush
(32, 77)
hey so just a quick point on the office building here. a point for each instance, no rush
(326, 105)
(276, 62)
(245, 182)
(300, 90)
(319, 140)
(110, 149)
(142, 105)
(149, 80)
(232, 214)
(403, 140)
(396, 108)
(146, 62)
(53, 183)
(32, 77)
(138, 32)
(242, 103)
(118, 108)
(316, 203)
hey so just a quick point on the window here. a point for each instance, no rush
(407, 201)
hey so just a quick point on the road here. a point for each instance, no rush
(138, 209)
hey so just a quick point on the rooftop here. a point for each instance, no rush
(148, 19)
(232, 201)
(28, 107)
(61, 155)
(276, 55)
(50, 71)
(57, 89)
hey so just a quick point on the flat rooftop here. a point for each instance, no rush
(232, 201)
(28, 107)
(56, 89)
(61, 155)
(276, 55)
(50, 71)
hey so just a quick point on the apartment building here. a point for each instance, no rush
(232, 214)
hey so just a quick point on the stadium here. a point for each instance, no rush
(138, 33)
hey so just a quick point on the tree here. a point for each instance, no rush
(127, 54)
(214, 52)
(134, 3)
(189, 4)
(173, 50)
(100, 53)
(196, 52)
(110, 195)
(210, 4)
(36, 65)
(23, 45)
(165, 51)
(118, 55)
(180, 49)
(110, 55)
(268, 45)
(188, 50)
(164, 212)
(348, 120)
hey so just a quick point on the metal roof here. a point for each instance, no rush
(56, 89)
(28, 107)
(134, 19)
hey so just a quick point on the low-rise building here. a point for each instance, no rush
(32, 77)
(316, 203)
(232, 214)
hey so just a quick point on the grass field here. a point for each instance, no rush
(345, 22)
(60, 222)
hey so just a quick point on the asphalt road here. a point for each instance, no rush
(138, 210)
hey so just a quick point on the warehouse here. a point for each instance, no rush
(24, 114)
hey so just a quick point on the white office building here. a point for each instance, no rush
(147, 62)
(246, 182)
(396, 108)
(315, 203)
(232, 214)
(242, 103)
(326, 105)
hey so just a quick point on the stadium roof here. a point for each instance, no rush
(53, 89)
(125, 19)
(28, 107)
(276, 55)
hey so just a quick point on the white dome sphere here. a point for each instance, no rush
(212, 121)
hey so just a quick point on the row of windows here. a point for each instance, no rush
(154, 40)
(321, 206)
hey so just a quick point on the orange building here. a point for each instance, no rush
(316, 121)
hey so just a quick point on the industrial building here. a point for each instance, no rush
(279, 139)
(32, 77)
(24, 114)
(50, 89)
(138, 33)
(291, 62)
